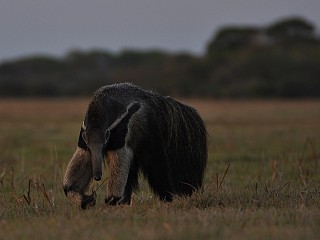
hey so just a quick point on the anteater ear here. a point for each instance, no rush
(119, 129)
(82, 142)
(84, 137)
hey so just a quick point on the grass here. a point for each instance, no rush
(262, 179)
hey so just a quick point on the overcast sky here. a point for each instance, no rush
(55, 27)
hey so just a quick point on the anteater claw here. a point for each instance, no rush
(88, 200)
(116, 200)
(109, 200)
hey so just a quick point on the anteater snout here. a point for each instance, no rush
(97, 177)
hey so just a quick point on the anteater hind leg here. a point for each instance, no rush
(159, 178)
(119, 163)
(132, 183)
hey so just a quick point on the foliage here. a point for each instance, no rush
(293, 28)
(230, 38)
(280, 60)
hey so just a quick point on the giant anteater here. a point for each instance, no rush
(136, 130)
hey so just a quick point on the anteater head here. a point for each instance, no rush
(105, 127)
(96, 141)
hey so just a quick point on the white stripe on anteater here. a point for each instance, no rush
(118, 120)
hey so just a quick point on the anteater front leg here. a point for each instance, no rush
(119, 163)
(77, 179)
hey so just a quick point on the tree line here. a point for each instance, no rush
(281, 60)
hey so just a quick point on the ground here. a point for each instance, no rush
(262, 179)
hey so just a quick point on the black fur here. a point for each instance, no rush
(168, 138)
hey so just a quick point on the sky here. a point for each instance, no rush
(55, 27)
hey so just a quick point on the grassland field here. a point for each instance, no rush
(262, 179)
